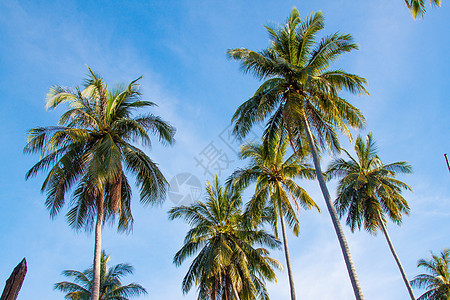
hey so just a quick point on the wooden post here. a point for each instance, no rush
(14, 282)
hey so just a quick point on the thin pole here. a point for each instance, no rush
(446, 159)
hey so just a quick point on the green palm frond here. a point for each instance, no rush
(437, 279)
(417, 7)
(111, 287)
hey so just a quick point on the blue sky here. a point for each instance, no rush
(179, 47)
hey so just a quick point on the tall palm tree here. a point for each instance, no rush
(227, 262)
(300, 94)
(437, 281)
(368, 192)
(417, 7)
(111, 287)
(275, 185)
(89, 151)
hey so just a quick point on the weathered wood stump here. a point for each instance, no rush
(14, 282)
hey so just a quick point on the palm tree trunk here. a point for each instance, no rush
(227, 288)
(286, 253)
(95, 293)
(334, 217)
(213, 292)
(397, 260)
(235, 292)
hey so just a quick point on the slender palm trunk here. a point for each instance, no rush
(235, 292)
(288, 259)
(397, 260)
(334, 217)
(227, 287)
(213, 293)
(95, 293)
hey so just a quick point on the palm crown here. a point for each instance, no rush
(368, 190)
(275, 185)
(111, 287)
(92, 147)
(437, 281)
(300, 86)
(227, 261)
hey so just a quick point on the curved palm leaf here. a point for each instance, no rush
(111, 287)
(437, 279)
(417, 7)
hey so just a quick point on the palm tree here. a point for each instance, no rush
(417, 7)
(89, 151)
(437, 281)
(368, 192)
(227, 262)
(300, 94)
(275, 184)
(111, 287)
